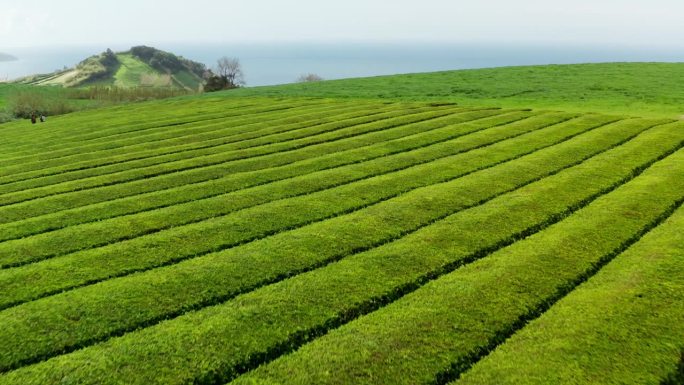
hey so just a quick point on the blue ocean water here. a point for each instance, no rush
(266, 64)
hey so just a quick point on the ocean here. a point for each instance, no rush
(268, 64)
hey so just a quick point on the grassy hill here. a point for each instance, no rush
(278, 240)
(139, 67)
(645, 89)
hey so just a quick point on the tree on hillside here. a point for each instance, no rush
(108, 59)
(308, 78)
(230, 69)
(228, 75)
(143, 52)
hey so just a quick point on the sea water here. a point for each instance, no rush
(267, 64)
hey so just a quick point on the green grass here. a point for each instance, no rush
(352, 228)
(629, 302)
(130, 71)
(188, 80)
(194, 170)
(26, 140)
(440, 329)
(376, 188)
(385, 150)
(406, 239)
(143, 151)
(50, 94)
(644, 89)
(371, 147)
(21, 160)
(6, 89)
(53, 100)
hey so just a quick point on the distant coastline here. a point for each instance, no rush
(7, 57)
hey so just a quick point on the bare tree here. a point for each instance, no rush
(307, 78)
(230, 69)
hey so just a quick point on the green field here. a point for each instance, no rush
(283, 239)
(644, 89)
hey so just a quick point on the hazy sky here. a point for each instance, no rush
(26, 23)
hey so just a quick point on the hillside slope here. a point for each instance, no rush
(139, 67)
(212, 239)
(645, 89)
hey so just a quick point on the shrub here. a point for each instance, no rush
(307, 78)
(5, 117)
(218, 83)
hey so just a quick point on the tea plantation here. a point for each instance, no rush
(290, 240)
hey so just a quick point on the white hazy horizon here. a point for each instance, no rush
(626, 23)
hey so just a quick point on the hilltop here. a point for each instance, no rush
(6, 57)
(140, 66)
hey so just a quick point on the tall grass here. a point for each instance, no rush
(23, 102)
(118, 94)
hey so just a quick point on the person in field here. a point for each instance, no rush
(33, 118)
